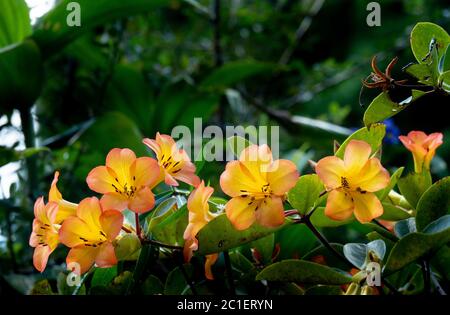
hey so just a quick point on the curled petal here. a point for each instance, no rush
(339, 205)
(373, 176)
(187, 175)
(209, 262)
(190, 245)
(367, 207)
(240, 213)
(40, 257)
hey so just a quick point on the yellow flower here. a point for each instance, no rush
(44, 237)
(199, 216)
(352, 182)
(257, 185)
(423, 147)
(65, 208)
(173, 162)
(90, 235)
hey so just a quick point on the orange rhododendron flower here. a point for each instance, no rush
(65, 208)
(257, 185)
(174, 163)
(199, 216)
(44, 237)
(423, 147)
(124, 181)
(351, 183)
(90, 235)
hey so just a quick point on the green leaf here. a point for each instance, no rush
(329, 257)
(219, 235)
(15, 22)
(440, 262)
(418, 244)
(439, 225)
(421, 36)
(319, 219)
(421, 72)
(20, 82)
(413, 185)
(52, 33)
(127, 247)
(381, 230)
(42, 287)
(8, 155)
(445, 81)
(237, 144)
(171, 229)
(382, 194)
(305, 193)
(373, 136)
(103, 276)
(382, 107)
(302, 271)
(434, 203)
(176, 283)
(264, 246)
(235, 72)
(152, 286)
(394, 213)
(162, 211)
(65, 289)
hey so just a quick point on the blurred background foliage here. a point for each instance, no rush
(137, 67)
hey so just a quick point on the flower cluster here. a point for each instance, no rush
(256, 184)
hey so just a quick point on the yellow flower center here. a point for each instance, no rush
(95, 242)
(125, 189)
(170, 164)
(345, 184)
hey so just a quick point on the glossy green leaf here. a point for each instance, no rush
(382, 107)
(358, 253)
(421, 72)
(445, 81)
(305, 193)
(382, 194)
(52, 33)
(235, 72)
(434, 203)
(394, 213)
(14, 22)
(219, 235)
(324, 290)
(103, 276)
(373, 136)
(161, 212)
(330, 259)
(171, 229)
(418, 244)
(413, 185)
(127, 247)
(264, 246)
(303, 272)
(421, 36)
(176, 283)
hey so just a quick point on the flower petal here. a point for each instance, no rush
(120, 160)
(190, 245)
(89, 210)
(240, 213)
(330, 170)
(282, 176)
(209, 262)
(146, 171)
(339, 205)
(40, 257)
(367, 207)
(187, 175)
(143, 201)
(72, 229)
(84, 256)
(356, 155)
(114, 201)
(111, 222)
(257, 159)
(100, 180)
(373, 176)
(270, 212)
(106, 256)
(237, 180)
